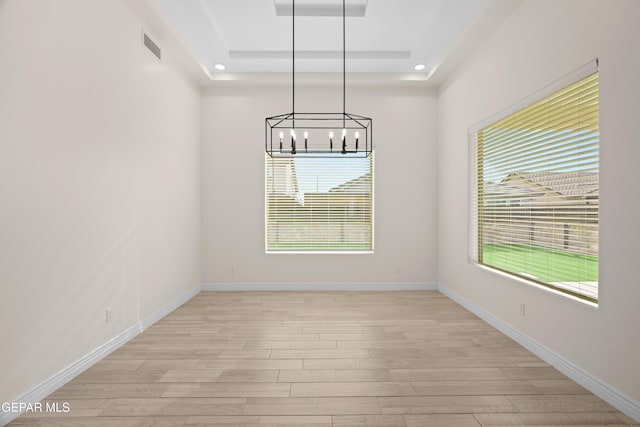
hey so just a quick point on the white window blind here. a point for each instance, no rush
(319, 204)
(535, 193)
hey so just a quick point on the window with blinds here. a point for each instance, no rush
(535, 190)
(319, 204)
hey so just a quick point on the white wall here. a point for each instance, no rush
(233, 186)
(99, 183)
(540, 42)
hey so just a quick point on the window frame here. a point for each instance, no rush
(475, 201)
(370, 251)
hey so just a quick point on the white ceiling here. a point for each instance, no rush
(248, 36)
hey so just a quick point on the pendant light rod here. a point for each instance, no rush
(293, 62)
(344, 62)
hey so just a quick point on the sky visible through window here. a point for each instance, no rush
(582, 142)
(319, 175)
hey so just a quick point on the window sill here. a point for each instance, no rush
(320, 252)
(537, 285)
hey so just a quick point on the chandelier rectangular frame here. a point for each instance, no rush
(323, 135)
(312, 134)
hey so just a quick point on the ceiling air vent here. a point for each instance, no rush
(154, 48)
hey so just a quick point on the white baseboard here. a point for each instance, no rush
(42, 390)
(241, 287)
(169, 307)
(604, 391)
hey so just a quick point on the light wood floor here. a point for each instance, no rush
(324, 359)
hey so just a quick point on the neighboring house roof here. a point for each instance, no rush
(500, 189)
(578, 183)
(361, 184)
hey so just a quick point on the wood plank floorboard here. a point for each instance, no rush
(323, 359)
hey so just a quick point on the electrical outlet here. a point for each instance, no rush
(521, 309)
(108, 314)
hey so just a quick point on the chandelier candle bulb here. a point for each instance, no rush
(331, 141)
(306, 135)
(293, 141)
(344, 141)
(357, 136)
(281, 137)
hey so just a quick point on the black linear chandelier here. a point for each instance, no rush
(318, 129)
